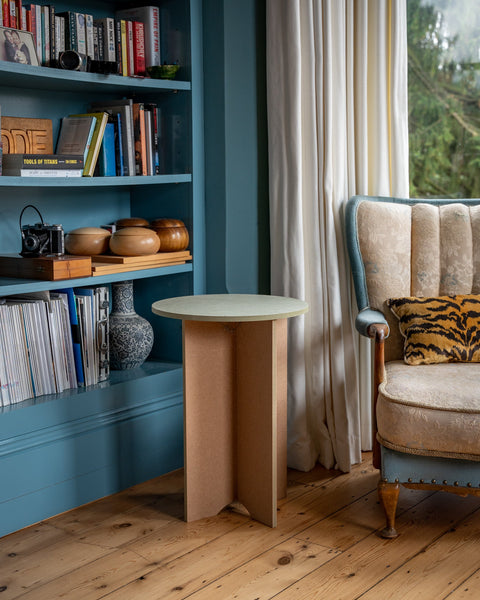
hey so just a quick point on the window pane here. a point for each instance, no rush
(443, 95)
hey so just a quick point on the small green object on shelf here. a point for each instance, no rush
(163, 71)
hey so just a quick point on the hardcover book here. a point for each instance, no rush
(75, 135)
(101, 119)
(150, 17)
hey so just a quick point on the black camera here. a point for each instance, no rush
(41, 239)
(72, 61)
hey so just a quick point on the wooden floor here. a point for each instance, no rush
(134, 545)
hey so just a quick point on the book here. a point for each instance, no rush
(101, 119)
(124, 108)
(75, 135)
(89, 36)
(42, 162)
(71, 38)
(107, 27)
(153, 109)
(150, 17)
(106, 158)
(75, 333)
(47, 173)
(138, 111)
(130, 57)
(124, 47)
(138, 48)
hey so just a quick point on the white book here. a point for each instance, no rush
(150, 17)
(67, 341)
(21, 353)
(59, 35)
(51, 172)
(8, 394)
(89, 35)
(81, 33)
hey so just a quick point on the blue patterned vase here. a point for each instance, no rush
(131, 336)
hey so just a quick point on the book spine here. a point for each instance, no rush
(18, 14)
(6, 13)
(153, 26)
(130, 59)
(24, 19)
(139, 47)
(107, 162)
(118, 46)
(38, 29)
(123, 33)
(59, 36)
(52, 33)
(89, 36)
(70, 30)
(81, 33)
(13, 14)
(50, 173)
(119, 158)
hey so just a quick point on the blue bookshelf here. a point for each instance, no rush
(60, 451)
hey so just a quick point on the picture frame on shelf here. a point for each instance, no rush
(17, 46)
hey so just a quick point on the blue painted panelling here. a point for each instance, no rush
(67, 461)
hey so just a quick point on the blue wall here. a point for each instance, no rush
(236, 191)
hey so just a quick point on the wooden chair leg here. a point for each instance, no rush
(388, 495)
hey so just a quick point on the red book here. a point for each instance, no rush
(13, 14)
(139, 48)
(6, 13)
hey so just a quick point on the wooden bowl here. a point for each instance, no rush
(172, 233)
(87, 241)
(131, 222)
(134, 241)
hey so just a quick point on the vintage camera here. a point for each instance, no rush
(41, 239)
(72, 61)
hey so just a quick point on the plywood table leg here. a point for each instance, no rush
(209, 428)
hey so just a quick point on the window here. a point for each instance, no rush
(444, 98)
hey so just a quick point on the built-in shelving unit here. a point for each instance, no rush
(63, 450)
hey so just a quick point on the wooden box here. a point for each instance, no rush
(49, 268)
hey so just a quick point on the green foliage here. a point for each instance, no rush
(443, 85)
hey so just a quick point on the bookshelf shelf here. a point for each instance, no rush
(44, 78)
(88, 182)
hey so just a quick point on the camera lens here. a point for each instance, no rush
(70, 60)
(31, 243)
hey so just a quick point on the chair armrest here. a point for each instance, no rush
(367, 319)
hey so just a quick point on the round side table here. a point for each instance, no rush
(235, 400)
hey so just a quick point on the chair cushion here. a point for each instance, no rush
(431, 409)
(438, 330)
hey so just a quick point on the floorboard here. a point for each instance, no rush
(135, 544)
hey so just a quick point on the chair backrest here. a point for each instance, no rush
(403, 247)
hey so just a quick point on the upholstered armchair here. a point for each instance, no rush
(416, 272)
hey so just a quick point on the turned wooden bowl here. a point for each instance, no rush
(172, 233)
(87, 241)
(131, 222)
(134, 241)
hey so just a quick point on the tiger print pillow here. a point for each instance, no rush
(439, 330)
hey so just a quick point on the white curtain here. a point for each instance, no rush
(337, 126)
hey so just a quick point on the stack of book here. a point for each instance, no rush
(52, 341)
(131, 39)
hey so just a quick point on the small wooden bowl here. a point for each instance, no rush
(131, 222)
(87, 241)
(172, 233)
(134, 241)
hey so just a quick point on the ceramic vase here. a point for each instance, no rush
(131, 336)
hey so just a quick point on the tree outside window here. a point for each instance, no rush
(444, 98)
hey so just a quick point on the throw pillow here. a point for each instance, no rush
(438, 330)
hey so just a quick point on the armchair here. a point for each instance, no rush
(425, 254)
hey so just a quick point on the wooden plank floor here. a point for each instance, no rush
(135, 545)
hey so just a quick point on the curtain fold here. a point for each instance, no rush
(337, 126)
